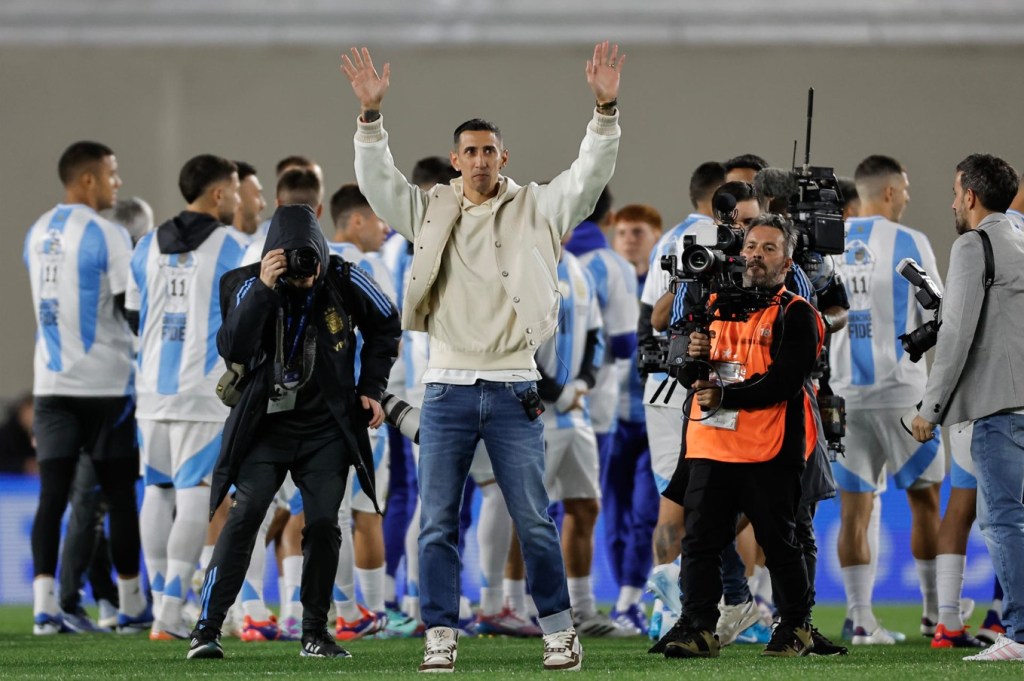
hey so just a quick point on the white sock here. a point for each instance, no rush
(857, 580)
(764, 586)
(997, 605)
(412, 557)
(465, 608)
(515, 594)
(345, 577)
(371, 583)
(252, 588)
(493, 535)
(949, 581)
(411, 607)
(929, 591)
(185, 543)
(155, 520)
(205, 555)
(874, 536)
(282, 592)
(581, 596)
(628, 595)
(754, 580)
(291, 606)
(44, 599)
(129, 594)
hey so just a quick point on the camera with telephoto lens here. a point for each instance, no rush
(817, 213)
(402, 415)
(833, 423)
(924, 337)
(302, 262)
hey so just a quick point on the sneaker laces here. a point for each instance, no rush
(439, 644)
(559, 641)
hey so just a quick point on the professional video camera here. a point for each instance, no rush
(711, 265)
(923, 338)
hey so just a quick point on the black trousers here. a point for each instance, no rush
(86, 552)
(768, 494)
(320, 470)
(805, 538)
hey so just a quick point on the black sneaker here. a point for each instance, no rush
(683, 640)
(823, 646)
(205, 645)
(321, 644)
(788, 641)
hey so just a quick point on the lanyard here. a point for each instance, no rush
(299, 332)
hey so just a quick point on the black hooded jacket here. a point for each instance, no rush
(345, 298)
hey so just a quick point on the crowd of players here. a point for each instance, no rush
(612, 443)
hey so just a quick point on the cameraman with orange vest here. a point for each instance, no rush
(746, 444)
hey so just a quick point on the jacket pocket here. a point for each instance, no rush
(544, 269)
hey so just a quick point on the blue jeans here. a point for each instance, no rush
(454, 419)
(997, 449)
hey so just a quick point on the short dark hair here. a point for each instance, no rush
(299, 186)
(473, 125)
(849, 189)
(748, 161)
(993, 180)
(781, 223)
(640, 212)
(708, 177)
(345, 201)
(244, 170)
(741, 191)
(295, 161)
(199, 172)
(877, 165)
(77, 157)
(433, 170)
(602, 207)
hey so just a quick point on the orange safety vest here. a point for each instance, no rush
(758, 433)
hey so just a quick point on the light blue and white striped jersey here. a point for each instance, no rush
(373, 265)
(254, 249)
(561, 356)
(614, 282)
(177, 296)
(869, 366)
(77, 263)
(631, 386)
(406, 379)
(1016, 218)
(671, 243)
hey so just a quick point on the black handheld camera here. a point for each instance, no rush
(302, 262)
(924, 337)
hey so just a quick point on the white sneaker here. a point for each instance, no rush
(562, 651)
(108, 614)
(879, 637)
(440, 648)
(1003, 650)
(735, 619)
(598, 624)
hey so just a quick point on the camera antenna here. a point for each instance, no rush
(794, 154)
(810, 117)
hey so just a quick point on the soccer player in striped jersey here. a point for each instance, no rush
(877, 378)
(358, 236)
(173, 299)
(78, 264)
(615, 287)
(664, 414)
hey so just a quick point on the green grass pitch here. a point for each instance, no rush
(109, 656)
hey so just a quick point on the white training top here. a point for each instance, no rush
(869, 366)
(177, 296)
(77, 263)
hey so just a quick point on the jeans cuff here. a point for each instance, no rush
(560, 621)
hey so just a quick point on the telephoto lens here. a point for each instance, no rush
(402, 415)
(302, 262)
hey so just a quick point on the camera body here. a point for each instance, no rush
(302, 262)
(924, 337)
(816, 209)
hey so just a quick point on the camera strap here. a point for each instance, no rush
(990, 261)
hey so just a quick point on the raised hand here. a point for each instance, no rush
(603, 72)
(368, 86)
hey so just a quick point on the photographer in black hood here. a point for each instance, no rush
(289, 336)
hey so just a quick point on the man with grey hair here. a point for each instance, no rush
(746, 443)
(135, 215)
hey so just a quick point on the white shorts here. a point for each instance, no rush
(961, 467)
(288, 497)
(382, 475)
(876, 443)
(182, 453)
(571, 465)
(665, 436)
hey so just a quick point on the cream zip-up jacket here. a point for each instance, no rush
(526, 223)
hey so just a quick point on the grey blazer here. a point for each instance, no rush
(979, 357)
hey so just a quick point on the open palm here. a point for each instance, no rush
(368, 86)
